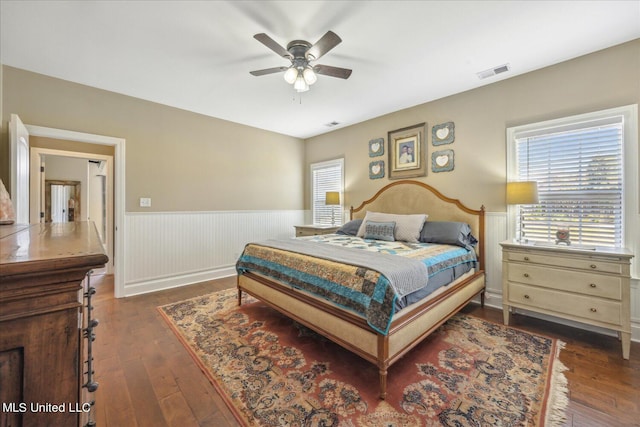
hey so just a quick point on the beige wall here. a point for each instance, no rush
(183, 161)
(189, 162)
(605, 79)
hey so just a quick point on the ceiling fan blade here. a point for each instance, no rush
(327, 70)
(273, 45)
(324, 45)
(268, 71)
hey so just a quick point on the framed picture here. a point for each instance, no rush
(442, 161)
(376, 169)
(407, 151)
(376, 147)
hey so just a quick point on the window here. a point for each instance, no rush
(327, 176)
(579, 165)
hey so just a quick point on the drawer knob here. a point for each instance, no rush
(593, 310)
(593, 285)
(91, 386)
(526, 258)
(593, 266)
(526, 274)
(526, 297)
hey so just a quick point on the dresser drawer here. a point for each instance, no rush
(594, 264)
(589, 308)
(305, 233)
(311, 230)
(599, 285)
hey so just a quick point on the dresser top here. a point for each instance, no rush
(41, 247)
(570, 249)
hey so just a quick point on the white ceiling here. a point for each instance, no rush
(196, 55)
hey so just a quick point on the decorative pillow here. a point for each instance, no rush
(350, 228)
(379, 230)
(407, 226)
(448, 233)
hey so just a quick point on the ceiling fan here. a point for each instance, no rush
(301, 53)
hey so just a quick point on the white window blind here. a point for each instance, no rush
(579, 171)
(327, 176)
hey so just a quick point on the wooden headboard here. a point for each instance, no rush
(412, 197)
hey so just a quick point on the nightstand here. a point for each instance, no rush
(315, 229)
(587, 285)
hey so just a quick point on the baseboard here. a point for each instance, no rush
(162, 283)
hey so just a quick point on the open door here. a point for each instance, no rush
(19, 148)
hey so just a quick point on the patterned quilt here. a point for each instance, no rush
(359, 288)
(436, 257)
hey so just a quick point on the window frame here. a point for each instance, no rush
(339, 214)
(630, 163)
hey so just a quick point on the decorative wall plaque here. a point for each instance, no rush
(443, 133)
(376, 169)
(376, 147)
(442, 161)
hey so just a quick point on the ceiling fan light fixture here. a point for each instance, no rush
(309, 76)
(300, 84)
(291, 75)
(301, 74)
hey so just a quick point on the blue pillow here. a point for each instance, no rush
(350, 228)
(379, 230)
(448, 233)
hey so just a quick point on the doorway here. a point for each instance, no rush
(93, 197)
(116, 166)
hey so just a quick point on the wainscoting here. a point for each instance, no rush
(170, 249)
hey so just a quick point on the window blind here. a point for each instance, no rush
(579, 170)
(326, 176)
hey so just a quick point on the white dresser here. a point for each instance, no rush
(584, 285)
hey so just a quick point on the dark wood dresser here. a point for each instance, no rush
(43, 326)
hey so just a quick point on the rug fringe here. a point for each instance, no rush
(558, 391)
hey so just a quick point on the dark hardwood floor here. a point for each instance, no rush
(147, 378)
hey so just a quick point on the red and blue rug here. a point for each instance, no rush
(271, 371)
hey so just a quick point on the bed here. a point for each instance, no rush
(381, 342)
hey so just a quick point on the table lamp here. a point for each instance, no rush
(522, 193)
(332, 198)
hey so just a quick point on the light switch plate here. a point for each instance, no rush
(145, 202)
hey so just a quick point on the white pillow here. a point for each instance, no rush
(407, 226)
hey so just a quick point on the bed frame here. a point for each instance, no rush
(410, 325)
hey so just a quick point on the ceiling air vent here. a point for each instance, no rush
(493, 71)
(332, 124)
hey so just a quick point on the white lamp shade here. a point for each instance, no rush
(522, 193)
(300, 84)
(309, 76)
(332, 198)
(290, 75)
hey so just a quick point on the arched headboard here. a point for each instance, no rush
(413, 197)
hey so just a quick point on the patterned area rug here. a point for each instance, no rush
(272, 371)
